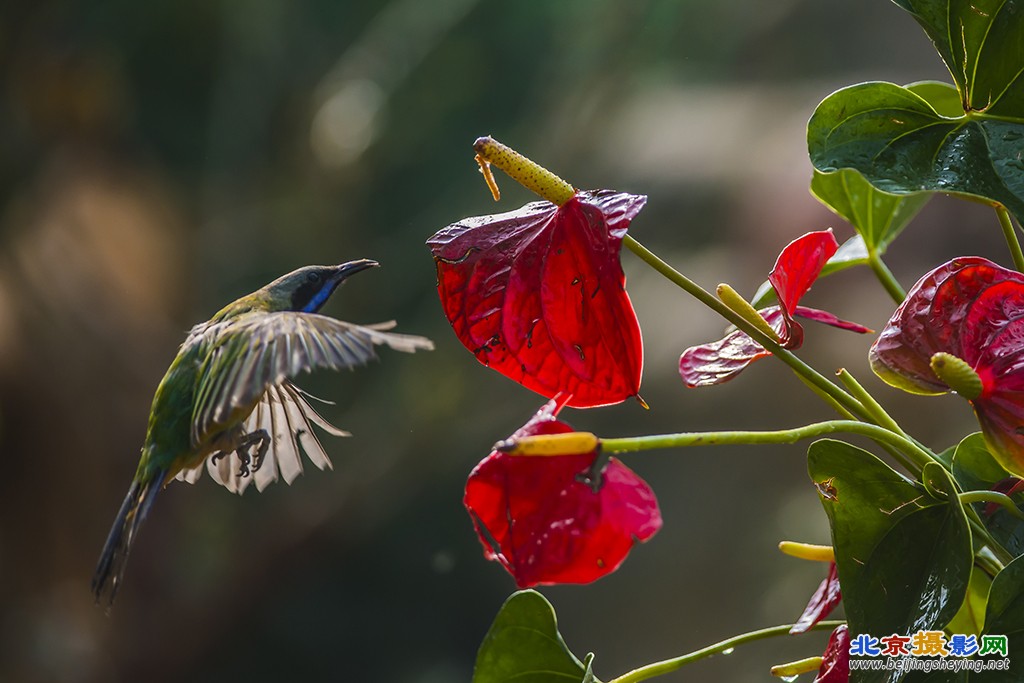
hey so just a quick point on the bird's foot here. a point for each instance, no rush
(243, 456)
(252, 463)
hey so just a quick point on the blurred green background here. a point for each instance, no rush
(160, 159)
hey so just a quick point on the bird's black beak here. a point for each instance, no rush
(346, 270)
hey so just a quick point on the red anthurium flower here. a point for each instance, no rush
(822, 602)
(797, 267)
(972, 309)
(544, 524)
(835, 667)
(539, 295)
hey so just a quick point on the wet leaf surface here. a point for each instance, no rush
(892, 539)
(523, 645)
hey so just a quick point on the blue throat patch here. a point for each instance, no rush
(320, 298)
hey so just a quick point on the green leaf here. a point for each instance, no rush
(877, 216)
(904, 556)
(975, 469)
(944, 99)
(898, 141)
(523, 645)
(971, 617)
(982, 44)
(1005, 617)
(931, 137)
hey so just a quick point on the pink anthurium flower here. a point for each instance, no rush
(543, 522)
(795, 271)
(539, 295)
(963, 323)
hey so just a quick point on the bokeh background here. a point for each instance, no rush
(160, 159)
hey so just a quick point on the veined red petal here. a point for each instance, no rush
(827, 318)
(835, 668)
(536, 517)
(973, 309)
(796, 269)
(539, 295)
(721, 360)
(932, 319)
(824, 600)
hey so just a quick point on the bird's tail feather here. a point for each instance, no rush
(114, 558)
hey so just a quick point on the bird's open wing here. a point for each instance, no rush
(286, 415)
(255, 352)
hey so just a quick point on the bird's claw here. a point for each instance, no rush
(252, 463)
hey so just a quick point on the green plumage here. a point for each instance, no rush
(227, 403)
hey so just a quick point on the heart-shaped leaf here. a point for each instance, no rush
(898, 141)
(523, 645)
(892, 539)
(930, 137)
(877, 216)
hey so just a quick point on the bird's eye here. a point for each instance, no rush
(313, 277)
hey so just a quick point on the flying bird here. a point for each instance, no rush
(227, 402)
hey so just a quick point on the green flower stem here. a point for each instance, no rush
(815, 429)
(843, 412)
(885, 276)
(879, 416)
(1010, 234)
(670, 665)
(706, 298)
(992, 497)
(874, 409)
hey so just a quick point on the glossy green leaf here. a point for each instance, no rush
(877, 216)
(1005, 617)
(904, 556)
(932, 137)
(971, 616)
(898, 141)
(975, 469)
(523, 645)
(982, 44)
